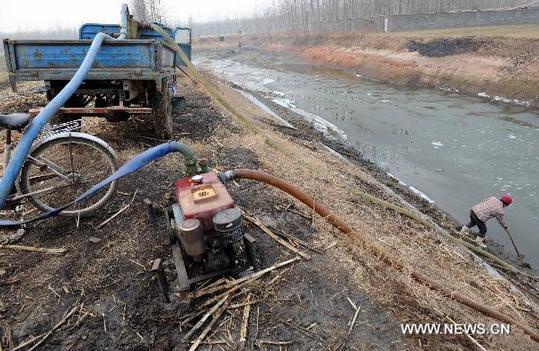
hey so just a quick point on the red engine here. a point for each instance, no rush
(201, 197)
(209, 229)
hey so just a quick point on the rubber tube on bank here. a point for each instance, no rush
(340, 224)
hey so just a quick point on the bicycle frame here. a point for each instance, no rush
(7, 156)
(7, 147)
(56, 129)
(55, 169)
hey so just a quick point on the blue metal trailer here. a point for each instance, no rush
(133, 76)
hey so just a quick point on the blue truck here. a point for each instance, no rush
(128, 77)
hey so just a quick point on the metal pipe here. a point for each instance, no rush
(123, 22)
(34, 128)
(379, 252)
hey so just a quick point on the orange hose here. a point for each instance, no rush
(340, 224)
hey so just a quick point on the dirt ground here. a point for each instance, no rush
(104, 291)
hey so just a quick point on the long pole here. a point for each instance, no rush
(513, 242)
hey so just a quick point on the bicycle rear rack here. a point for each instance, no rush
(54, 129)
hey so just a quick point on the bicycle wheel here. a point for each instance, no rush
(63, 167)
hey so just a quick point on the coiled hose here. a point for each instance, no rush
(342, 226)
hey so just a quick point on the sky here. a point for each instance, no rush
(25, 15)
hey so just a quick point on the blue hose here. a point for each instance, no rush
(37, 124)
(133, 165)
(34, 128)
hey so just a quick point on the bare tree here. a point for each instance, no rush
(148, 11)
(155, 11)
(138, 10)
(339, 15)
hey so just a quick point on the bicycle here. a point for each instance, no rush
(62, 164)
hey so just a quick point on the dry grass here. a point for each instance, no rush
(418, 248)
(506, 63)
(504, 40)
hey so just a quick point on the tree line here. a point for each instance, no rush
(287, 15)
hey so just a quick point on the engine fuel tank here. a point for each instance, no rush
(201, 197)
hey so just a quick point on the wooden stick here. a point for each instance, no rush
(29, 341)
(303, 331)
(266, 230)
(256, 325)
(293, 211)
(245, 323)
(253, 276)
(331, 245)
(34, 249)
(9, 336)
(58, 325)
(475, 342)
(270, 342)
(228, 292)
(240, 305)
(211, 342)
(351, 303)
(352, 324)
(206, 330)
(106, 221)
(204, 318)
(299, 241)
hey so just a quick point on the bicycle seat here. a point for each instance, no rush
(15, 121)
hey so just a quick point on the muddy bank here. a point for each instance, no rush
(501, 69)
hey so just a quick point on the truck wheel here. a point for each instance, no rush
(162, 113)
(73, 101)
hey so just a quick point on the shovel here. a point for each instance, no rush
(520, 257)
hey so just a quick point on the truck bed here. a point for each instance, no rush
(60, 59)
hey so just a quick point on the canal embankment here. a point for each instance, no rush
(496, 63)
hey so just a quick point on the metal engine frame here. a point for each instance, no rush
(185, 280)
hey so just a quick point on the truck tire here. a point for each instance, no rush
(73, 101)
(162, 112)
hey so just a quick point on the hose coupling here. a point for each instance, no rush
(227, 176)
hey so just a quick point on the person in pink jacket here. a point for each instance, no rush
(482, 212)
